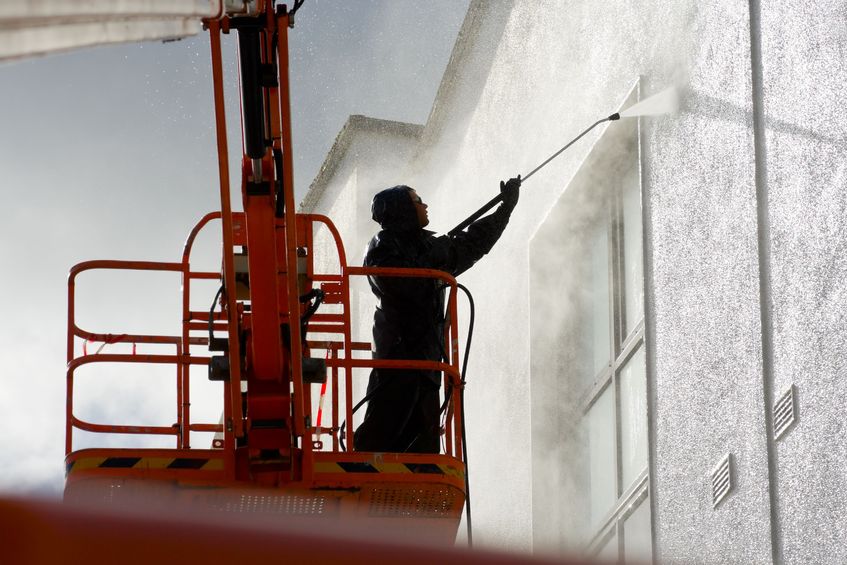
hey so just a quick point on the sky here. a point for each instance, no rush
(109, 153)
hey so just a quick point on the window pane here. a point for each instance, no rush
(633, 383)
(599, 296)
(633, 265)
(592, 327)
(601, 455)
(638, 547)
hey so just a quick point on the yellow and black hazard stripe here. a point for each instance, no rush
(386, 467)
(145, 463)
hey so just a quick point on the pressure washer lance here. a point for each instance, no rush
(493, 202)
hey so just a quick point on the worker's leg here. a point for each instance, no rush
(423, 432)
(392, 404)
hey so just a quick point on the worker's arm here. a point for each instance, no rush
(477, 239)
(454, 254)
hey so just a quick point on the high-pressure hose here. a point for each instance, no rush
(493, 202)
(468, 520)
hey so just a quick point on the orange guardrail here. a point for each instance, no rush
(339, 351)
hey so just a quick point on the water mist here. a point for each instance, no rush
(664, 102)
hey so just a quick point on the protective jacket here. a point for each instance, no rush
(403, 410)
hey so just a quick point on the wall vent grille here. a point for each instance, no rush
(784, 413)
(721, 480)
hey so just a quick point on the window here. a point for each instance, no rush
(589, 374)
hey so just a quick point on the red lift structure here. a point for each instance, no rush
(288, 333)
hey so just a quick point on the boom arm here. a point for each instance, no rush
(270, 331)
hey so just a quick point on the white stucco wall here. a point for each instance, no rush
(804, 89)
(528, 76)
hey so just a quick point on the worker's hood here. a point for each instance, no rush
(394, 210)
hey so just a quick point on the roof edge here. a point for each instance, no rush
(478, 12)
(354, 125)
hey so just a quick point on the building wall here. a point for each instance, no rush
(804, 53)
(743, 207)
(706, 327)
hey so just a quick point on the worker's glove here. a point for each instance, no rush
(511, 191)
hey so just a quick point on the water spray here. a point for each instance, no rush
(664, 102)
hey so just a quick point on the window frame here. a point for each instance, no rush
(568, 374)
(623, 347)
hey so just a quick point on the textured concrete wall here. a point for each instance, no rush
(540, 71)
(707, 369)
(804, 51)
(706, 330)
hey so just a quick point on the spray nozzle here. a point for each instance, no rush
(661, 103)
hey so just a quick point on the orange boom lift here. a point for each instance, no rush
(287, 334)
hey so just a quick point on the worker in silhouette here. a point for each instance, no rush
(403, 405)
